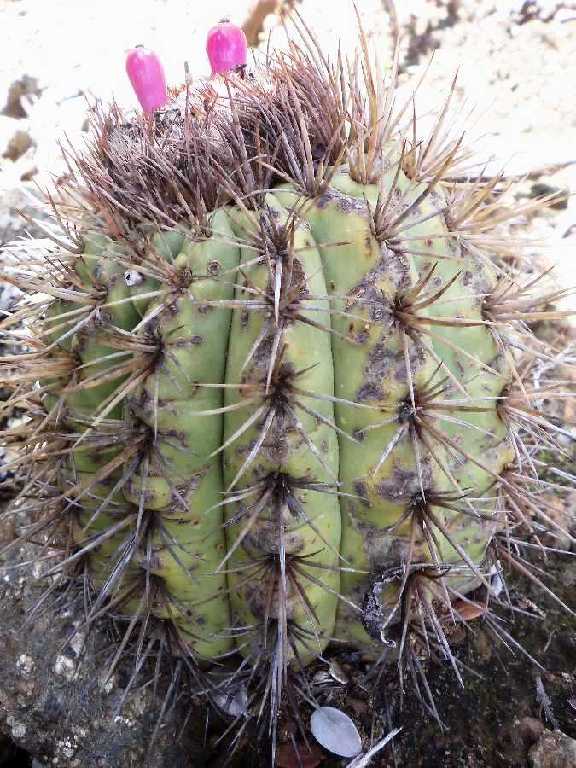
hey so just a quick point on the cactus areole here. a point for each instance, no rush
(273, 391)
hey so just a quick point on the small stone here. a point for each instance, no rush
(15, 139)
(530, 729)
(25, 664)
(19, 143)
(25, 88)
(553, 750)
(29, 175)
(65, 667)
(518, 736)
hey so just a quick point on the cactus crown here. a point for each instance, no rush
(280, 382)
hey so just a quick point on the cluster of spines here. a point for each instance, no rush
(262, 135)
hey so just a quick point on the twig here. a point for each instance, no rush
(363, 760)
(545, 703)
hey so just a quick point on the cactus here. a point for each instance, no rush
(276, 376)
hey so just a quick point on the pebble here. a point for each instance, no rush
(21, 94)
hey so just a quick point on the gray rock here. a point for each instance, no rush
(55, 705)
(553, 750)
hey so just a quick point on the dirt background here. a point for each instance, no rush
(516, 64)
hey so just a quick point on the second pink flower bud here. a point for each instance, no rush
(227, 48)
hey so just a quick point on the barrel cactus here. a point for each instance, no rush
(276, 375)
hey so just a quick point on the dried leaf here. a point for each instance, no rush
(468, 611)
(362, 761)
(233, 702)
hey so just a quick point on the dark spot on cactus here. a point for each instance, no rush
(381, 359)
(417, 358)
(196, 340)
(369, 391)
(379, 313)
(345, 203)
(404, 483)
(257, 595)
(361, 490)
(172, 437)
(244, 318)
(359, 435)
(322, 201)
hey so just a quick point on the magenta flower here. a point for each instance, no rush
(227, 47)
(146, 74)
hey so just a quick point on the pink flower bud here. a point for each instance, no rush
(146, 74)
(227, 47)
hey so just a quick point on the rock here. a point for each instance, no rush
(54, 705)
(20, 143)
(29, 174)
(553, 750)
(15, 139)
(25, 88)
(518, 736)
(17, 198)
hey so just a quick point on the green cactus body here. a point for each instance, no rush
(346, 427)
